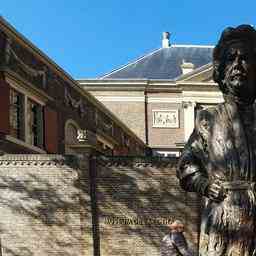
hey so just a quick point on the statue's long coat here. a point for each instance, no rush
(223, 147)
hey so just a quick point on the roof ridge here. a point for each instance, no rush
(192, 45)
(130, 63)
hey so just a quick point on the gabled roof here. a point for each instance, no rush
(164, 63)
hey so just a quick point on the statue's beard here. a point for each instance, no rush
(237, 87)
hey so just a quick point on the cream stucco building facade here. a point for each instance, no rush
(157, 96)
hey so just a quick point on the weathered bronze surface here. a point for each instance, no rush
(219, 160)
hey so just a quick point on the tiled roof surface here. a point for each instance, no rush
(164, 63)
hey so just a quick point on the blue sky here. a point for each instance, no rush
(89, 38)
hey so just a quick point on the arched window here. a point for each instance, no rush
(71, 128)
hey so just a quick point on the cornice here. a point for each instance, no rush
(106, 137)
(113, 84)
(37, 160)
(12, 32)
(164, 85)
(112, 81)
(28, 86)
(121, 98)
(186, 83)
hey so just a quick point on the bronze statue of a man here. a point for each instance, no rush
(219, 160)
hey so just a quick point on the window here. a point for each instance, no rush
(34, 123)
(16, 114)
(26, 117)
(71, 134)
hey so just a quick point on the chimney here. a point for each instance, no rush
(187, 67)
(165, 40)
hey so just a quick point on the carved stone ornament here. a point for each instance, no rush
(12, 57)
(104, 123)
(76, 104)
(165, 118)
(82, 135)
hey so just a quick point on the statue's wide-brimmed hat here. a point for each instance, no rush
(176, 224)
(243, 33)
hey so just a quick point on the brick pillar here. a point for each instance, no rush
(87, 177)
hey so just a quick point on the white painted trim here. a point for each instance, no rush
(189, 119)
(201, 93)
(24, 144)
(164, 100)
(202, 97)
(204, 100)
(121, 98)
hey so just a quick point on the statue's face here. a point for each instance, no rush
(240, 70)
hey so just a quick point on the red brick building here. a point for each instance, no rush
(43, 107)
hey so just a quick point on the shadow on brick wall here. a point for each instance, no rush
(137, 197)
(40, 206)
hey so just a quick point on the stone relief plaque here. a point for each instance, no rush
(165, 118)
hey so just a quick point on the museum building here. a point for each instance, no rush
(59, 202)
(43, 108)
(157, 95)
(148, 105)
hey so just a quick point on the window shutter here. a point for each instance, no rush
(5, 107)
(51, 130)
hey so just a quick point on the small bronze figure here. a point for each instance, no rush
(219, 160)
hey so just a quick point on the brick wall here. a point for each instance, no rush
(44, 210)
(136, 198)
(45, 205)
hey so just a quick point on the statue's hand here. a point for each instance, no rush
(215, 192)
